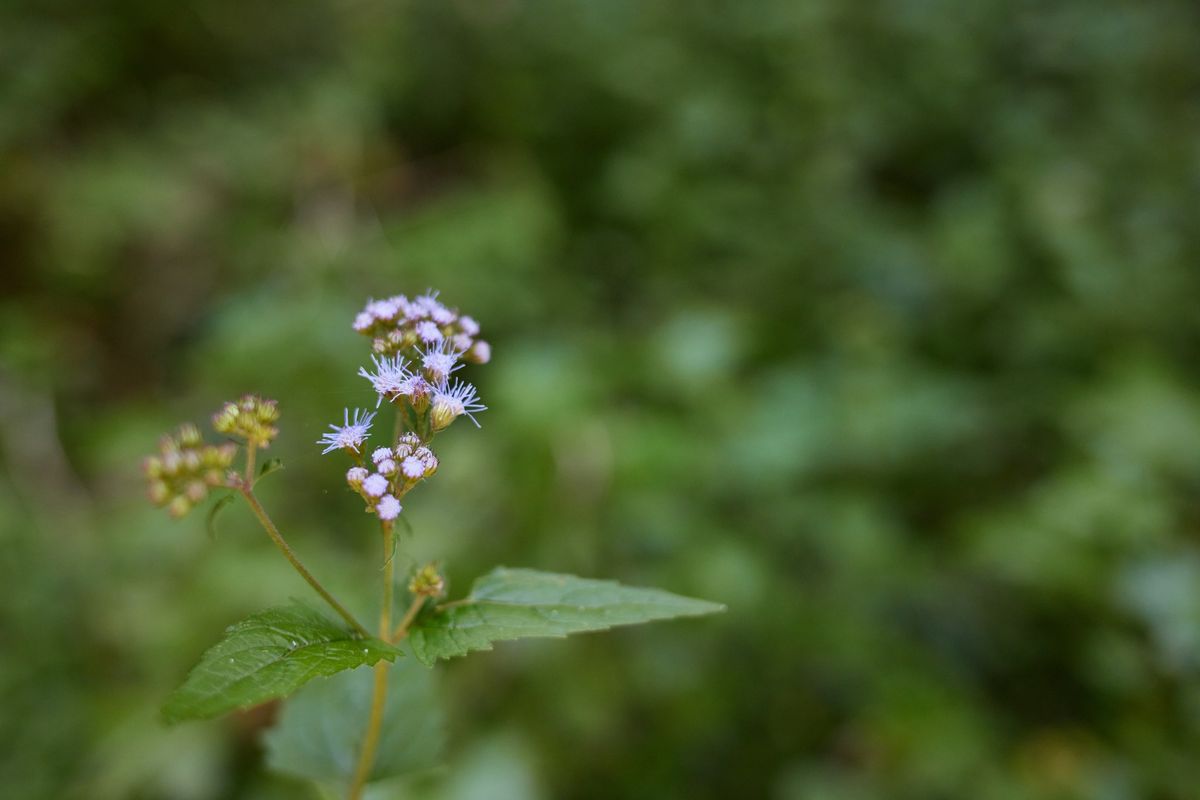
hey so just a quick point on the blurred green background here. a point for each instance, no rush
(876, 321)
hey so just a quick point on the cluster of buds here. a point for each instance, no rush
(185, 469)
(252, 418)
(396, 324)
(427, 582)
(397, 469)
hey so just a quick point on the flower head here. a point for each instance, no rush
(413, 468)
(452, 401)
(375, 485)
(351, 434)
(251, 418)
(440, 360)
(389, 376)
(388, 507)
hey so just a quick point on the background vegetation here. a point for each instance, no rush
(875, 321)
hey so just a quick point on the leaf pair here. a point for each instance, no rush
(274, 652)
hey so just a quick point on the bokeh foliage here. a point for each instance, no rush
(875, 321)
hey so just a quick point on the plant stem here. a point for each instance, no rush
(290, 555)
(250, 448)
(402, 629)
(366, 758)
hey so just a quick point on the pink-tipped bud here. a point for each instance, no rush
(355, 477)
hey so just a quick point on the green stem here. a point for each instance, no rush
(250, 448)
(291, 556)
(366, 758)
(410, 615)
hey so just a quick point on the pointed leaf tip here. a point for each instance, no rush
(518, 603)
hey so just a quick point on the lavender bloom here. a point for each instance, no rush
(439, 361)
(388, 378)
(388, 508)
(427, 331)
(381, 453)
(413, 468)
(452, 401)
(375, 485)
(351, 434)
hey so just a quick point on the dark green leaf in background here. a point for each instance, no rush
(320, 732)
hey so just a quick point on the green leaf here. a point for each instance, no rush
(319, 735)
(210, 522)
(269, 654)
(269, 466)
(519, 603)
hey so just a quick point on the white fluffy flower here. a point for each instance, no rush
(386, 467)
(363, 321)
(350, 434)
(413, 467)
(381, 453)
(388, 507)
(439, 361)
(355, 476)
(375, 485)
(428, 331)
(388, 378)
(468, 325)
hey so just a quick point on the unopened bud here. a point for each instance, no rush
(444, 411)
(179, 506)
(480, 353)
(427, 582)
(159, 493)
(355, 477)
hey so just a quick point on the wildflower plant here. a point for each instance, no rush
(418, 348)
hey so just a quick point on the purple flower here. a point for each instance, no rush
(350, 434)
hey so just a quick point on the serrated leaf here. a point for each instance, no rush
(269, 654)
(319, 735)
(210, 521)
(519, 603)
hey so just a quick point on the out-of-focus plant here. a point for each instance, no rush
(418, 345)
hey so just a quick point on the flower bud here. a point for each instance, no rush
(388, 507)
(427, 582)
(189, 435)
(152, 467)
(196, 491)
(444, 411)
(375, 485)
(251, 418)
(160, 493)
(480, 353)
(179, 506)
(355, 477)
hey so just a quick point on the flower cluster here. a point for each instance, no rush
(397, 469)
(252, 418)
(396, 324)
(185, 469)
(419, 346)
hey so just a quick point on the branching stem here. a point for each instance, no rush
(294, 560)
(410, 615)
